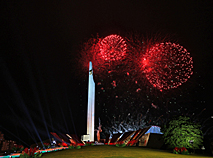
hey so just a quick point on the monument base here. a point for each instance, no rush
(85, 138)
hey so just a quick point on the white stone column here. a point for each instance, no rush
(91, 105)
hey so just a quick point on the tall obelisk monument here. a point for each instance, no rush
(91, 105)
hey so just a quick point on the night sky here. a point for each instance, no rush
(44, 88)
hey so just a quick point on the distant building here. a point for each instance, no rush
(6, 145)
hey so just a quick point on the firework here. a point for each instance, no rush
(119, 78)
(113, 48)
(167, 65)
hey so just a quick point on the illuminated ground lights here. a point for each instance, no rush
(42, 151)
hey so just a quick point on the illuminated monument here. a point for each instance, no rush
(90, 107)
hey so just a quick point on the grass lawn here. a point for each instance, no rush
(117, 152)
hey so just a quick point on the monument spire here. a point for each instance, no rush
(91, 105)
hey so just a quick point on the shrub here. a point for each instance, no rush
(78, 147)
(46, 145)
(26, 153)
(18, 147)
(182, 150)
(176, 150)
(89, 144)
(120, 144)
(71, 147)
(181, 131)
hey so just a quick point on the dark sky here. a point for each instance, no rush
(40, 42)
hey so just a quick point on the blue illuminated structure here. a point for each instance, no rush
(154, 129)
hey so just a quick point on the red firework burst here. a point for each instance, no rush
(113, 48)
(167, 65)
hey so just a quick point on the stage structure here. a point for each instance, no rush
(90, 107)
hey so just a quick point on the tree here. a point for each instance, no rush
(181, 132)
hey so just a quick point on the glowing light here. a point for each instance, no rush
(167, 65)
(154, 106)
(113, 47)
(137, 90)
(113, 83)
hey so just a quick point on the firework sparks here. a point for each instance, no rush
(167, 65)
(113, 47)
